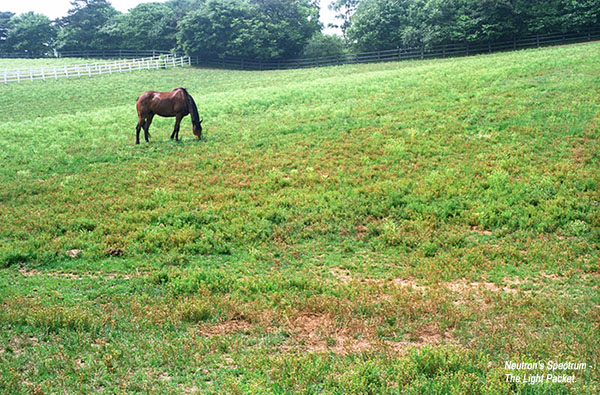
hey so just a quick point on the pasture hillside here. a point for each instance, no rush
(385, 228)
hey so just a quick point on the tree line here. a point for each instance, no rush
(386, 24)
(283, 29)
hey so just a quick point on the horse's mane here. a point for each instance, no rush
(192, 108)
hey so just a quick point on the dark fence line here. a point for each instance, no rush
(419, 52)
(113, 54)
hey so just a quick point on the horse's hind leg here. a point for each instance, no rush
(146, 126)
(139, 126)
(176, 128)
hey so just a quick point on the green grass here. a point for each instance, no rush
(19, 63)
(399, 227)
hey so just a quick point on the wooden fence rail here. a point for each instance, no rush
(91, 69)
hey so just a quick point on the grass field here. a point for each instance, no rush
(10, 63)
(388, 228)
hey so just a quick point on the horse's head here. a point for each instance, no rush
(197, 129)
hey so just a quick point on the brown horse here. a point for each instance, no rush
(178, 103)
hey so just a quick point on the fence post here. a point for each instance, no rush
(43, 76)
(444, 50)
(489, 47)
(18, 77)
(422, 52)
(66, 72)
(537, 39)
(55, 74)
(5, 79)
(31, 74)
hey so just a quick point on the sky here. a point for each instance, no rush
(58, 8)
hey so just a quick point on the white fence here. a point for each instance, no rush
(90, 69)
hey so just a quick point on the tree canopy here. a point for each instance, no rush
(384, 24)
(30, 33)
(149, 26)
(260, 29)
(4, 18)
(82, 29)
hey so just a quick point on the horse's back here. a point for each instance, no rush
(166, 104)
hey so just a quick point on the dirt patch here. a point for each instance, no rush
(552, 276)
(77, 276)
(343, 275)
(462, 285)
(579, 152)
(319, 333)
(476, 229)
(361, 231)
(225, 328)
(74, 253)
(30, 272)
(402, 282)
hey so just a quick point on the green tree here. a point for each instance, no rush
(290, 24)
(4, 18)
(581, 15)
(182, 7)
(345, 9)
(321, 45)
(380, 24)
(149, 26)
(258, 29)
(220, 28)
(82, 28)
(31, 33)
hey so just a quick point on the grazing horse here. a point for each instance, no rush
(178, 103)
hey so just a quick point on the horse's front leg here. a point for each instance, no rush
(176, 128)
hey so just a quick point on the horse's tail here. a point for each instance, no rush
(192, 109)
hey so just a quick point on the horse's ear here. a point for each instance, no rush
(201, 121)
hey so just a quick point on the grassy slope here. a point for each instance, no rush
(347, 229)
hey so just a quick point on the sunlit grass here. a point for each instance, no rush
(20, 63)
